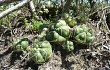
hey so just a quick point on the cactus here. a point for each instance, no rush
(60, 23)
(53, 36)
(42, 35)
(68, 46)
(83, 34)
(61, 28)
(69, 20)
(59, 32)
(63, 31)
(20, 44)
(40, 52)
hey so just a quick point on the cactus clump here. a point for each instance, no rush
(20, 44)
(59, 32)
(62, 28)
(40, 52)
(68, 46)
(83, 34)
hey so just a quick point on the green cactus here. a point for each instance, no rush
(83, 34)
(68, 46)
(20, 44)
(60, 23)
(53, 36)
(61, 28)
(63, 31)
(42, 35)
(40, 52)
(69, 20)
(65, 16)
(59, 32)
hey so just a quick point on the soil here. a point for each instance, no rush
(95, 57)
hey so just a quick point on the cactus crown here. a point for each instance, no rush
(83, 34)
(59, 32)
(40, 52)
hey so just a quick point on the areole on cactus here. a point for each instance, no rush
(40, 52)
(20, 44)
(83, 34)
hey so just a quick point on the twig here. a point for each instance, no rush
(32, 6)
(8, 11)
(100, 10)
(98, 44)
